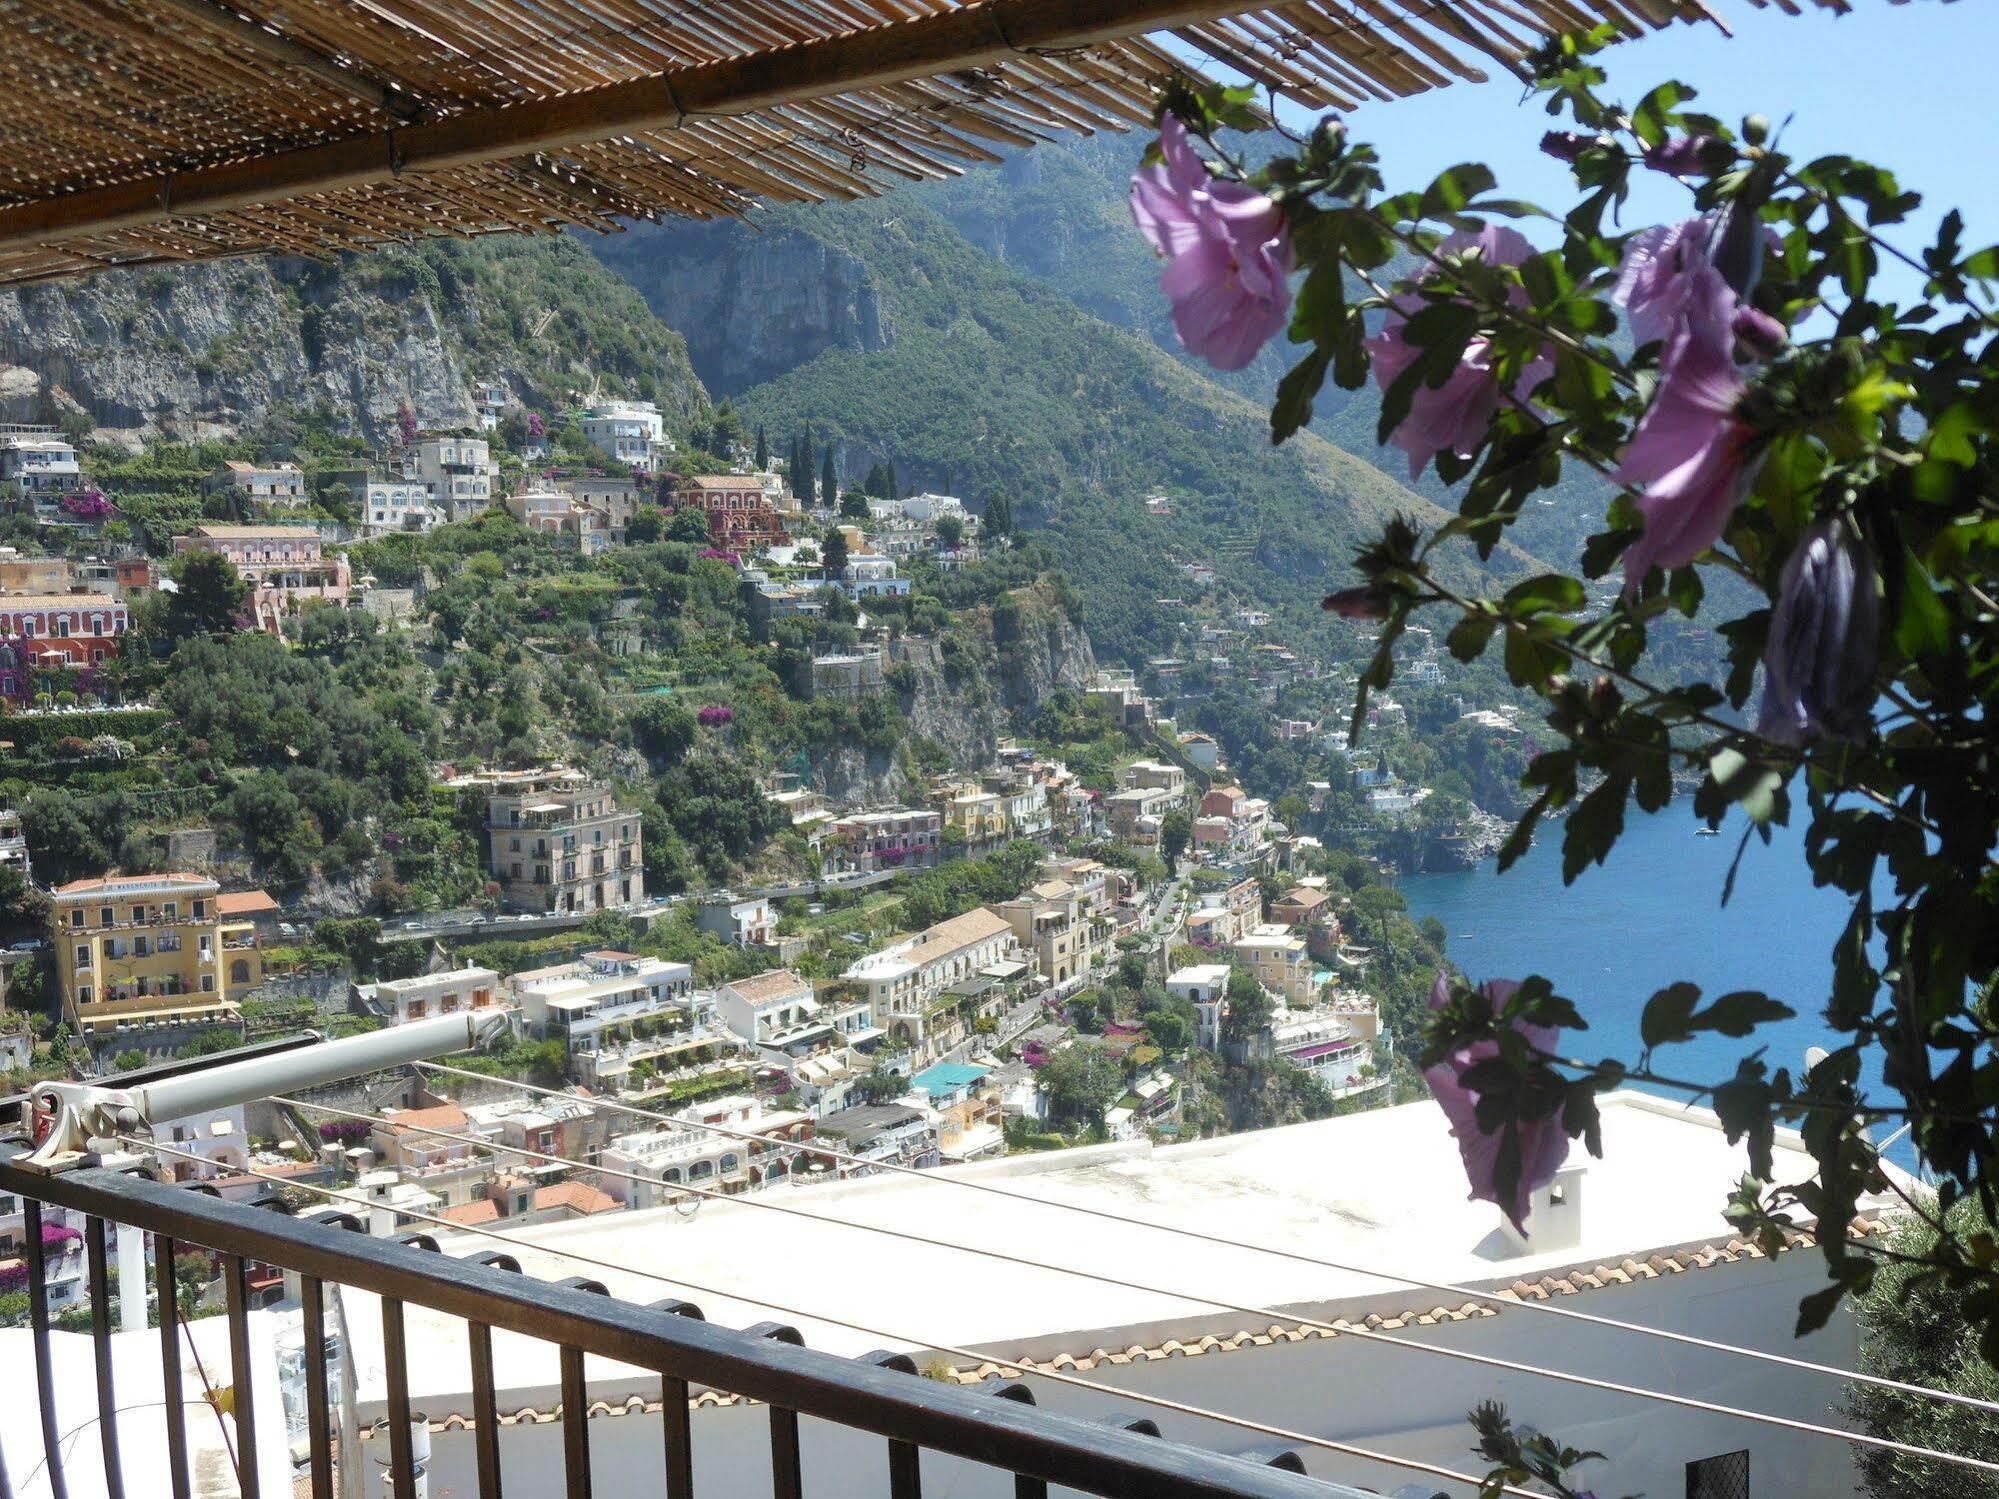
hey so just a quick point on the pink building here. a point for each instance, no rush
(285, 566)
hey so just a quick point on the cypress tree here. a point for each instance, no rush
(894, 489)
(829, 482)
(805, 469)
(763, 448)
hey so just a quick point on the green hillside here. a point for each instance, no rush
(995, 383)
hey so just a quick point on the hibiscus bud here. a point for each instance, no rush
(1567, 145)
(1818, 664)
(1369, 601)
(1756, 332)
(1682, 155)
(1737, 244)
(1604, 700)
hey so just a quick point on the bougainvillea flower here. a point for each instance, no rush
(1689, 458)
(1228, 253)
(1543, 1144)
(1818, 664)
(1455, 416)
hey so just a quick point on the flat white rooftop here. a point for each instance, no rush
(1377, 1189)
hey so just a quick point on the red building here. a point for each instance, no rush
(740, 514)
(45, 630)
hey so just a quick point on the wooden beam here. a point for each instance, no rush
(968, 37)
(226, 21)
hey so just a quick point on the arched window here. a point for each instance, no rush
(731, 1163)
(239, 971)
(670, 1174)
(700, 1171)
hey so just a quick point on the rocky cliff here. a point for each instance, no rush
(982, 681)
(751, 306)
(223, 349)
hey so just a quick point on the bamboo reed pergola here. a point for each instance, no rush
(138, 131)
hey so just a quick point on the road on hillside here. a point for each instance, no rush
(502, 924)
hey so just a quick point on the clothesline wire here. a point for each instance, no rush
(1496, 1300)
(1270, 1315)
(530, 1246)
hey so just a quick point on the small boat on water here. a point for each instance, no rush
(1707, 832)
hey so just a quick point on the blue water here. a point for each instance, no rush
(1649, 916)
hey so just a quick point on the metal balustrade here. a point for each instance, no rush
(997, 1425)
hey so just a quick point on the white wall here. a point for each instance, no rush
(1387, 1398)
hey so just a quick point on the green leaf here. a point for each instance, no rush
(1816, 1309)
(1983, 265)
(1755, 788)
(1666, 1016)
(1470, 636)
(1320, 313)
(1654, 118)
(1922, 625)
(1293, 407)
(1593, 829)
(1740, 1012)
(1455, 187)
(1550, 593)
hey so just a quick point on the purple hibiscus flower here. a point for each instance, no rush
(1653, 283)
(1543, 1145)
(1453, 416)
(1818, 665)
(1228, 252)
(1689, 456)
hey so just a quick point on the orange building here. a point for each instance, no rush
(740, 514)
(39, 631)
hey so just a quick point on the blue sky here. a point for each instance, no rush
(1906, 86)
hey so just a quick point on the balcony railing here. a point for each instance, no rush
(997, 1426)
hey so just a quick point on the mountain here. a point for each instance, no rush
(890, 333)
(222, 349)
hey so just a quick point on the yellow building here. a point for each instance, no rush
(151, 949)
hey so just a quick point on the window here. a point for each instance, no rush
(76, 917)
(83, 994)
(82, 955)
(1724, 1476)
(208, 983)
(201, 910)
(106, 917)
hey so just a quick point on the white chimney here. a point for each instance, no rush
(1554, 1215)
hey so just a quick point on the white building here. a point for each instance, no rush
(714, 1159)
(1638, 1236)
(576, 1002)
(905, 981)
(767, 1008)
(391, 505)
(459, 473)
(1206, 987)
(38, 465)
(632, 432)
(738, 921)
(14, 846)
(489, 399)
(428, 995)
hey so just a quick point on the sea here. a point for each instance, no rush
(1650, 915)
